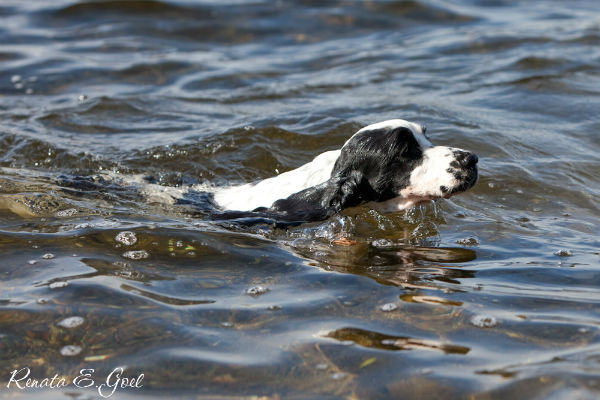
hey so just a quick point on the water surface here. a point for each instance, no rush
(493, 294)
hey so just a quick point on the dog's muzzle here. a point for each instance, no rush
(466, 174)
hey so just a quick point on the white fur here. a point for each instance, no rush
(427, 178)
(425, 181)
(264, 193)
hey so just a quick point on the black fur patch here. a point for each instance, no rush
(373, 166)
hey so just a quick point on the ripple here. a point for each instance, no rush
(114, 8)
(537, 63)
(175, 301)
(103, 115)
(418, 10)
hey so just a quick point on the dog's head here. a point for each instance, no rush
(391, 163)
(394, 162)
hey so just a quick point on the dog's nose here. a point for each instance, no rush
(466, 159)
(471, 160)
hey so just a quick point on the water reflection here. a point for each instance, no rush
(397, 264)
(382, 341)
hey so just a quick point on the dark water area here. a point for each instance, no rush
(493, 294)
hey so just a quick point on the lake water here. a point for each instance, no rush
(494, 294)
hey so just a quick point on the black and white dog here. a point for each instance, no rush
(391, 164)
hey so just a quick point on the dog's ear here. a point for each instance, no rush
(322, 201)
(346, 191)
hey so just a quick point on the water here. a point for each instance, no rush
(493, 294)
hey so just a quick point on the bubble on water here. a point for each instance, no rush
(43, 300)
(126, 237)
(58, 285)
(71, 322)
(15, 78)
(67, 213)
(70, 350)
(388, 307)
(338, 375)
(18, 85)
(227, 324)
(563, 253)
(136, 254)
(29, 91)
(48, 256)
(484, 321)
(382, 243)
(32, 262)
(322, 366)
(82, 98)
(257, 290)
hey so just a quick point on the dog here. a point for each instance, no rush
(390, 165)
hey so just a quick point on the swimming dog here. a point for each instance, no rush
(390, 165)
